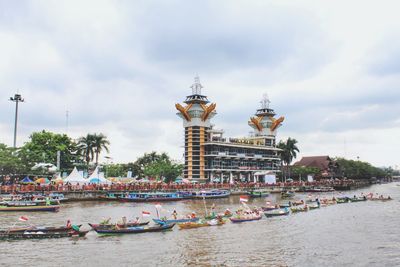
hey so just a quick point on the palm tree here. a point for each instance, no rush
(288, 152)
(86, 147)
(100, 142)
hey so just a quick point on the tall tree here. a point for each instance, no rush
(148, 158)
(86, 147)
(43, 147)
(100, 142)
(288, 152)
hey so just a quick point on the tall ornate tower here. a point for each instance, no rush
(264, 122)
(196, 116)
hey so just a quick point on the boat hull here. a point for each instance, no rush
(276, 213)
(40, 235)
(53, 208)
(108, 226)
(240, 220)
(159, 221)
(127, 199)
(135, 230)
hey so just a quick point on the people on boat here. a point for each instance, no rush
(48, 202)
(123, 221)
(175, 214)
(227, 212)
(213, 210)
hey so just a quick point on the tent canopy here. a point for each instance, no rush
(26, 180)
(75, 178)
(98, 177)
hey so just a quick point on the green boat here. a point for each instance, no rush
(215, 216)
(258, 193)
(342, 200)
(314, 206)
(357, 199)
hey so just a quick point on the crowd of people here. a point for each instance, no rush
(158, 186)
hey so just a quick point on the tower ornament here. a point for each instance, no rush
(184, 111)
(207, 110)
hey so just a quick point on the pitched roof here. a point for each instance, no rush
(320, 162)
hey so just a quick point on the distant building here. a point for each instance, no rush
(327, 166)
(209, 156)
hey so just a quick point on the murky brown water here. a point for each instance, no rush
(355, 234)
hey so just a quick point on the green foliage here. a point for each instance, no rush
(163, 169)
(43, 147)
(115, 170)
(10, 163)
(147, 159)
(354, 169)
(301, 171)
(159, 166)
(289, 150)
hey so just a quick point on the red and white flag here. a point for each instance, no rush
(244, 198)
(158, 206)
(145, 213)
(23, 219)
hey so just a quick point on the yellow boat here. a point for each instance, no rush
(191, 225)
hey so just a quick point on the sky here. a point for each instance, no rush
(332, 68)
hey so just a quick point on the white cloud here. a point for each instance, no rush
(120, 66)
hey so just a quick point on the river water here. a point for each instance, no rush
(354, 234)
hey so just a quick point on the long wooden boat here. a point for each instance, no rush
(380, 199)
(287, 194)
(149, 197)
(192, 225)
(357, 199)
(342, 200)
(215, 216)
(285, 205)
(278, 212)
(297, 203)
(40, 235)
(110, 196)
(110, 225)
(319, 189)
(270, 207)
(258, 193)
(245, 218)
(52, 208)
(44, 229)
(314, 206)
(213, 194)
(169, 221)
(299, 209)
(136, 229)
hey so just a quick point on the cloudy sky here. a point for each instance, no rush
(330, 67)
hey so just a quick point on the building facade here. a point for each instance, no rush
(209, 156)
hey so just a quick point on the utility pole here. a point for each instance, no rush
(17, 98)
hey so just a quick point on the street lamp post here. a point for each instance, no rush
(17, 98)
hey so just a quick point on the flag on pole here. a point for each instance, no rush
(23, 219)
(158, 206)
(145, 213)
(244, 198)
